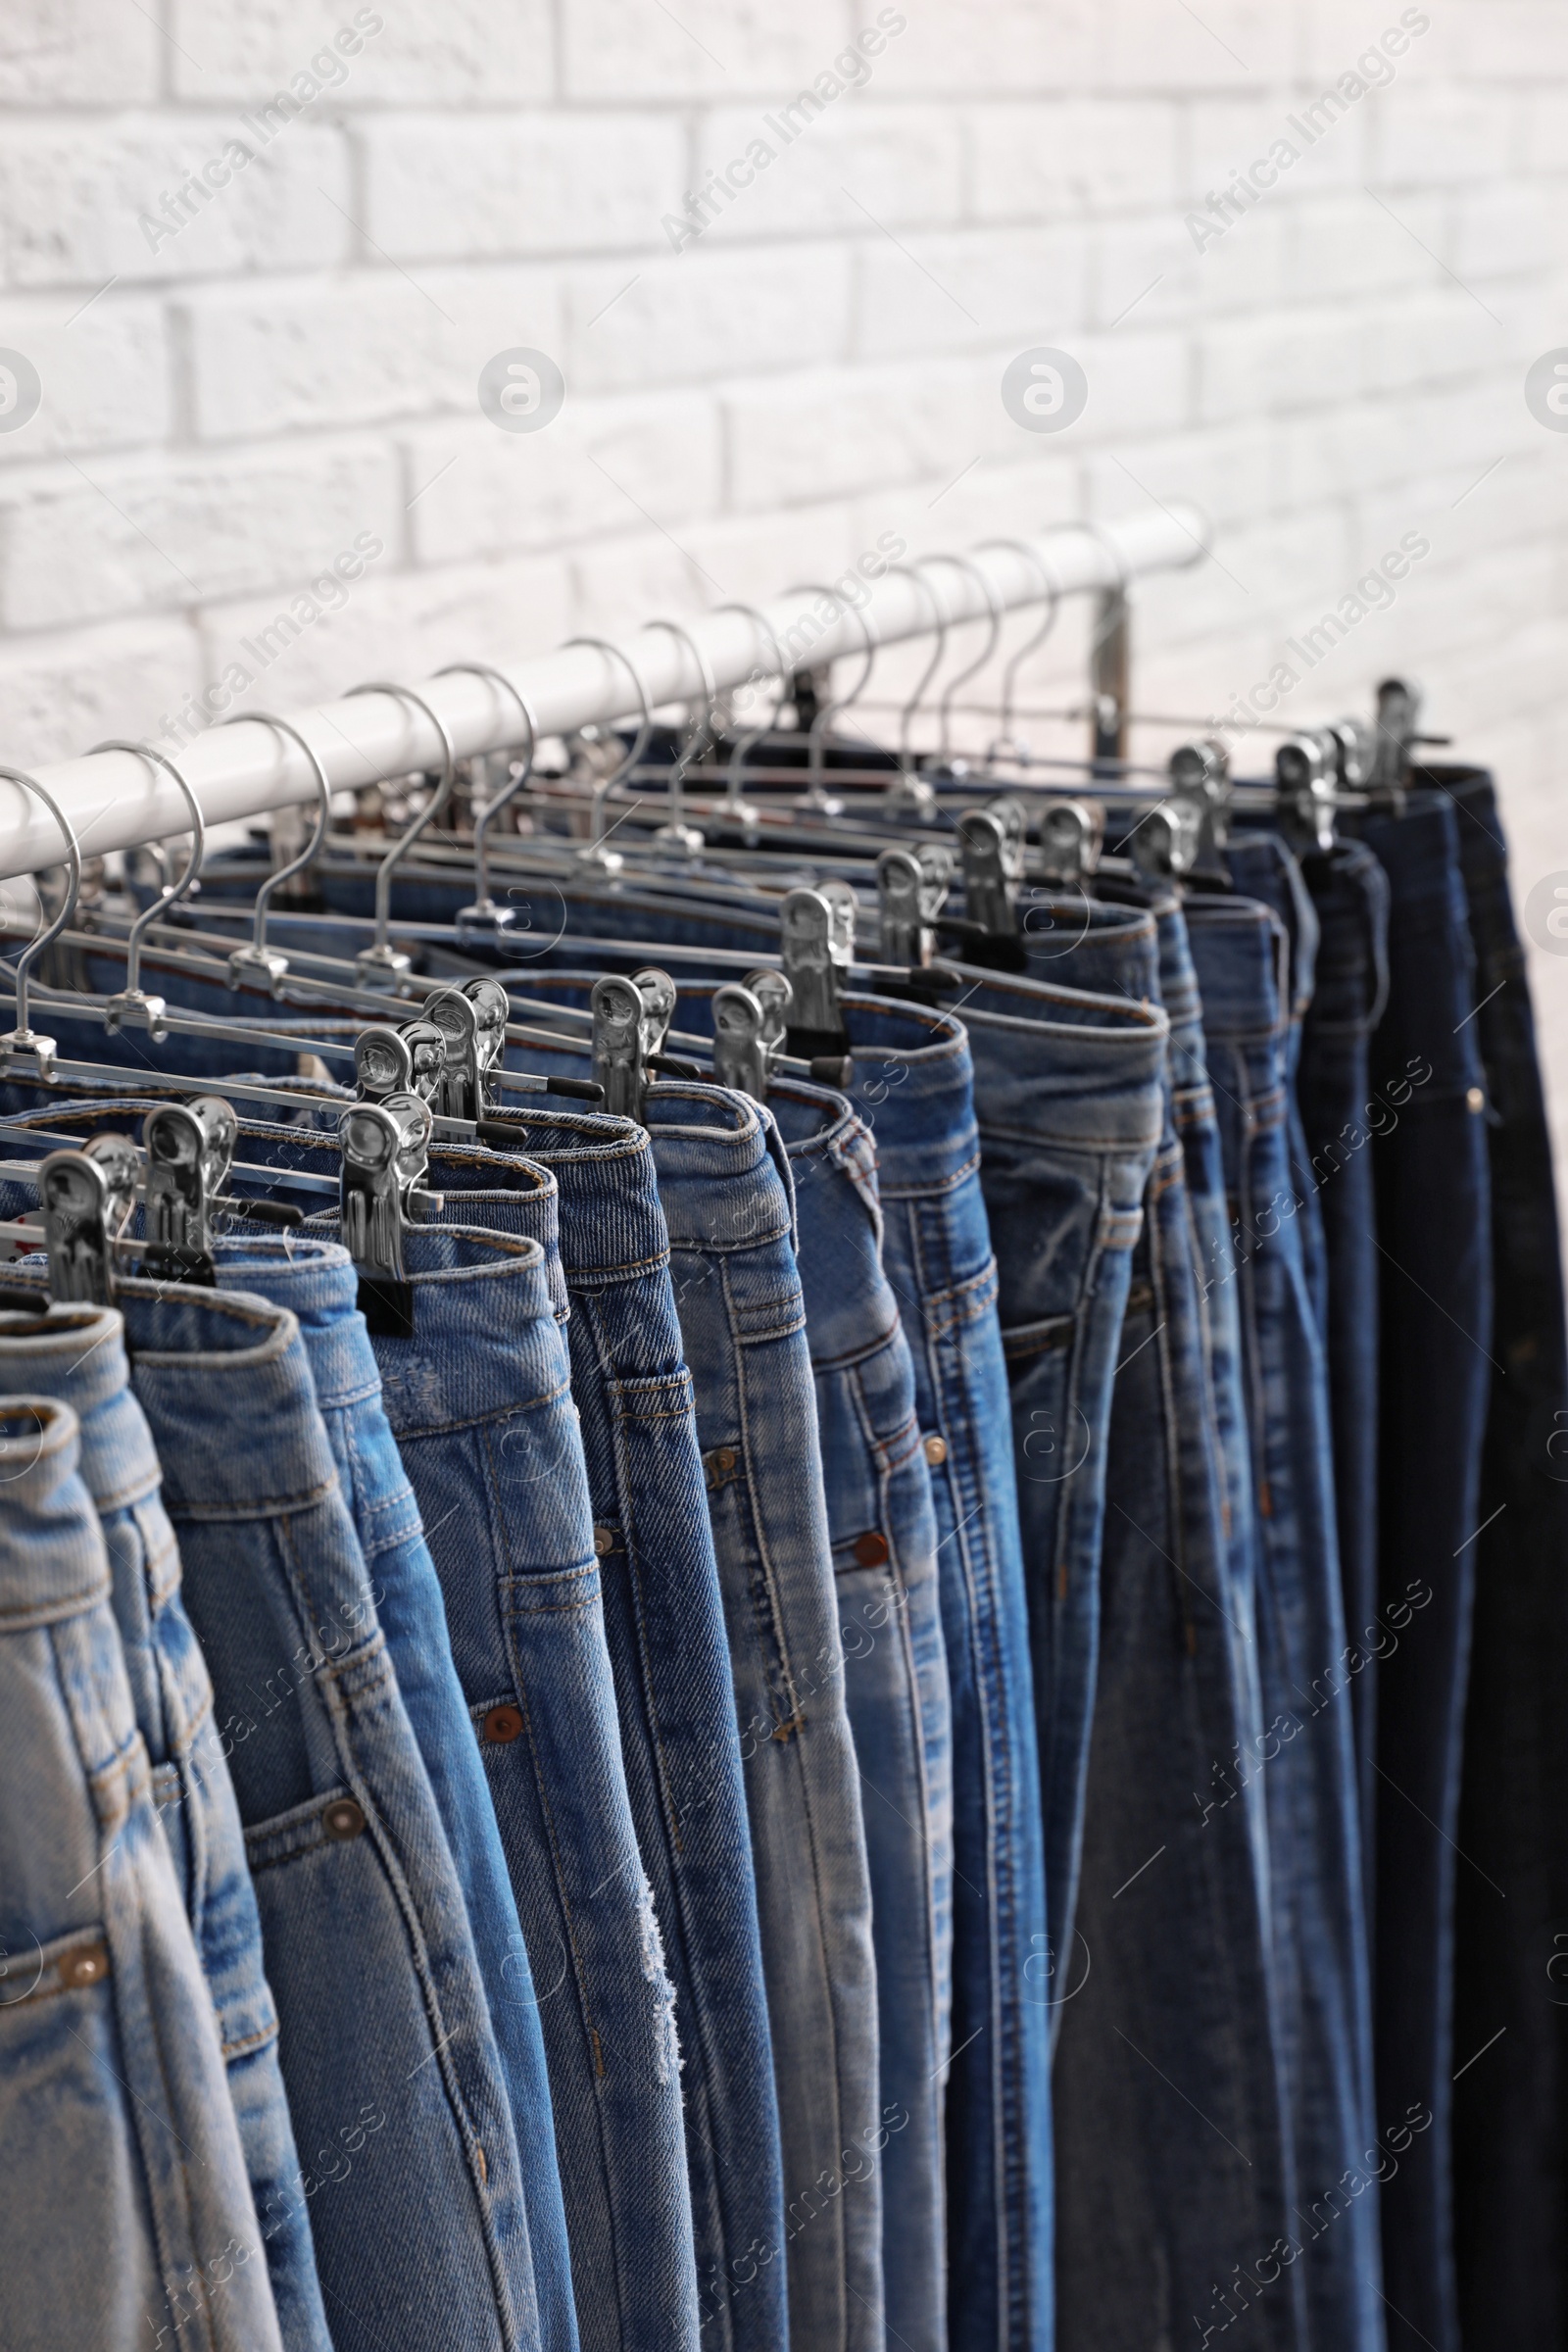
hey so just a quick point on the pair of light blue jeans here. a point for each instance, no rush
(76, 1356)
(127, 2217)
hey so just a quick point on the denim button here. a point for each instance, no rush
(1474, 1098)
(88, 1964)
(502, 1724)
(603, 1541)
(343, 1818)
(871, 1549)
(936, 1451)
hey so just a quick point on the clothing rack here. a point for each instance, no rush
(118, 800)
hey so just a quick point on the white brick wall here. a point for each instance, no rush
(226, 408)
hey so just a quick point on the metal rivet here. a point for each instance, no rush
(1475, 1100)
(502, 1724)
(342, 1818)
(88, 1964)
(603, 1541)
(871, 1549)
(936, 1451)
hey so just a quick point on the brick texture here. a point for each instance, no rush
(259, 251)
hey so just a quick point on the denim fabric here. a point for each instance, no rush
(393, 2077)
(126, 2215)
(1307, 1757)
(1067, 1098)
(1510, 2120)
(1174, 2168)
(317, 1280)
(665, 1622)
(723, 1180)
(1339, 1117)
(77, 1355)
(883, 1529)
(912, 1084)
(1435, 1256)
(1263, 867)
(480, 1401)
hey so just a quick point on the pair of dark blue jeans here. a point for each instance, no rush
(1241, 949)
(1338, 1119)
(1510, 2035)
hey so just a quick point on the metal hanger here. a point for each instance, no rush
(259, 961)
(676, 837)
(131, 1005)
(1006, 742)
(382, 965)
(24, 1037)
(816, 796)
(596, 853)
(736, 808)
(484, 920)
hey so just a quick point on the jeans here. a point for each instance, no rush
(912, 1086)
(1435, 1256)
(883, 1530)
(1306, 1760)
(1263, 869)
(126, 2215)
(393, 2077)
(1338, 1119)
(723, 1180)
(670, 1655)
(77, 1356)
(1067, 1098)
(1174, 2169)
(1510, 2120)
(317, 1282)
(479, 1400)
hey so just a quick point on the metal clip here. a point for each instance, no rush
(1304, 789)
(1072, 834)
(617, 1018)
(189, 1148)
(1200, 779)
(991, 843)
(815, 955)
(491, 1010)
(383, 1064)
(1397, 721)
(1164, 842)
(385, 1149)
(427, 1057)
(911, 901)
(458, 1091)
(740, 1056)
(85, 1198)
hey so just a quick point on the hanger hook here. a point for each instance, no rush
(494, 805)
(1007, 741)
(379, 959)
(993, 608)
(784, 671)
(174, 891)
(677, 782)
(816, 797)
(941, 624)
(259, 958)
(602, 791)
(23, 1035)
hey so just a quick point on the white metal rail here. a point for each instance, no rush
(116, 799)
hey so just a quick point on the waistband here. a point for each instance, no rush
(1419, 852)
(78, 1355)
(317, 1280)
(1263, 867)
(1350, 894)
(724, 1173)
(611, 1222)
(52, 1563)
(485, 1342)
(1064, 1066)
(1090, 941)
(225, 1384)
(1243, 958)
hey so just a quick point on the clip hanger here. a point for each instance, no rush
(817, 945)
(386, 1147)
(258, 961)
(131, 1006)
(24, 1037)
(748, 1031)
(190, 1149)
(911, 887)
(1072, 835)
(1186, 832)
(86, 1198)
